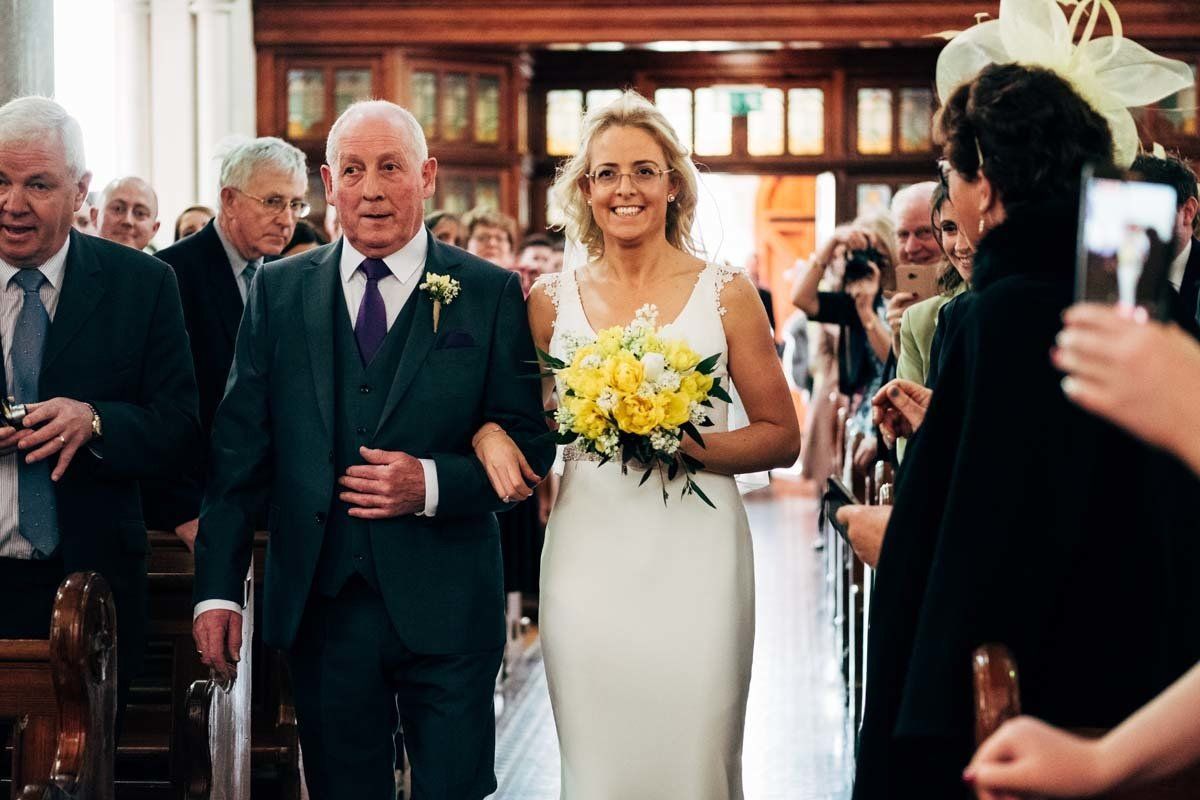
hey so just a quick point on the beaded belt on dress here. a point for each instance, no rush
(573, 453)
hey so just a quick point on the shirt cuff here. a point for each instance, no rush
(213, 605)
(431, 488)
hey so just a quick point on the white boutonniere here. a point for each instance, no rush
(442, 289)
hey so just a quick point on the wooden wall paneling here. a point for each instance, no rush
(539, 22)
(267, 116)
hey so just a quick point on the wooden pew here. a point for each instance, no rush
(61, 694)
(998, 699)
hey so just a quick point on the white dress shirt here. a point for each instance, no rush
(12, 543)
(1179, 266)
(407, 265)
(237, 261)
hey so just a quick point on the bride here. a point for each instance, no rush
(647, 609)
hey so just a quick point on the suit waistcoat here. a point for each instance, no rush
(358, 403)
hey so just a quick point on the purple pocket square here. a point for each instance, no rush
(455, 339)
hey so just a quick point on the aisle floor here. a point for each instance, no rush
(796, 745)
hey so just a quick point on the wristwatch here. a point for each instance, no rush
(97, 428)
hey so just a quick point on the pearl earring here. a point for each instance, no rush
(670, 198)
(981, 226)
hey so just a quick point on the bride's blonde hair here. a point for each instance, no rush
(633, 111)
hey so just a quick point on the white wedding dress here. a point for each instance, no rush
(647, 611)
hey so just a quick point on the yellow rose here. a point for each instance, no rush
(675, 408)
(608, 343)
(680, 356)
(590, 421)
(586, 381)
(652, 344)
(637, 414)
(584, 352)
(695, 386)
(625, 373)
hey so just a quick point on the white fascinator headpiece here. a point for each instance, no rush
(1112, 73)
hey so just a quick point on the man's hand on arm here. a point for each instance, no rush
(390, 484)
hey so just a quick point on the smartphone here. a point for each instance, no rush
(1125, 240)
(837, 494)
(919, 279)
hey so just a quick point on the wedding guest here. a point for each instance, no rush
(1184, 272)
(445, 227)
(534, 259)
(916, 240)
(491, 235)
(192, 219)
(1144, 377)
(127, 213)
(1051, 577)
(82, 220)
(304, 238)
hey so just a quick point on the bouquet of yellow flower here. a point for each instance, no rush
(632, 395)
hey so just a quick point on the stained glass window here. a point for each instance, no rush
(487, 109)
(457, 194)
(487, 193)
(564, 121)
(873, 198)
(306, 102)
(764, 126)
(806, 122)
(599, 98)
(455, 107)
(423, 91)
(714, 123)
(350, 86)
(916, 120)
(874, 121)
(676, 106)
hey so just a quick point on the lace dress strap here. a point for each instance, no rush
(722, 274)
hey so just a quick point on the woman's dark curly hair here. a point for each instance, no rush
(1033, 131)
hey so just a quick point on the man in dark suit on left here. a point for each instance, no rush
(94, 344)
(1184, 274)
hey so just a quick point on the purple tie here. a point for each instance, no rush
(371, 325)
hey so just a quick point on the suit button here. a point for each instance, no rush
(364, 389)
(319, 517)
(361, 431)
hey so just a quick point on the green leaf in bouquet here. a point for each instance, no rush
(693, 464)
(706, 403)
(708, 365)
(646, 476)
(549, 360)
(691, 431)
(707, 423)
(720, 394)
(693, 487)
(673, 470)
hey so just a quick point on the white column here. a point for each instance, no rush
(173, 116)
(26, 48)
(243, 95)
(132, 109)
(214, 87)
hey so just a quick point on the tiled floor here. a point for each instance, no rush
(796, 743)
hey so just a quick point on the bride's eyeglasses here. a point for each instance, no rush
(608, 178)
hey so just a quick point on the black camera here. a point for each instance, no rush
(859, 262)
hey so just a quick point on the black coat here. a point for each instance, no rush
(1189, 288)
(118, 342)
(1023, 520)
(212, 311)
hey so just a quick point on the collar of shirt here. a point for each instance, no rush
(236, 260)
(404, 263)
(53, 269)
(1179, 265)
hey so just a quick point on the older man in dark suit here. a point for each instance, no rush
(94, 345)
(263, 187)
(1184, 273)
(355, 391)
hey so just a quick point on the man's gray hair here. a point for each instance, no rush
(239, 164)
(377, 108)
(30, 119)
(132, 180)
(922, 192)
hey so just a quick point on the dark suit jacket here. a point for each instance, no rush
(118, 342)
(212, 310)
(440, 577)
(1189, 288)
